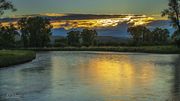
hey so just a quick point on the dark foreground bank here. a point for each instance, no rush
(14, 57)
(142, 49)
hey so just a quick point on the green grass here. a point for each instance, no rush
(142, 49)
(13, 57)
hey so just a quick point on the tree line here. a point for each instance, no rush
(36, 32)
(32, 31)
(86, 37)
(141, 35)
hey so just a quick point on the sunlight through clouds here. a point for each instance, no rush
(94, 22)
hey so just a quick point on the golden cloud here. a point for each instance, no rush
(95, 23)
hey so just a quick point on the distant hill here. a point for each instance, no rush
(120, 30)
(162, 24)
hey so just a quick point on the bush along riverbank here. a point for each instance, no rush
(140, 49)
(14, 57)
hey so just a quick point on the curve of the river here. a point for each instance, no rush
(93, 76)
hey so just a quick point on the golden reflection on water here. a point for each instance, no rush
(118, 74)
(112, 77)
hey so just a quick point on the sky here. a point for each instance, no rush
(147, 7)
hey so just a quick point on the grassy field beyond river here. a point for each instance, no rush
(141, 49)
(13, 57)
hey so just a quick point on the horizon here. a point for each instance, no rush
(106, 25)
(69, 21)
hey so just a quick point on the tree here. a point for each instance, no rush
(7, 36)
(35, 31)
(160, 36)
(175, 37)
(173, 13)
(25, 35)
(139, 34)
(147, 35)
(165, 35)
(73, 38)
(6, 5)
(60, 42)
(88, 37)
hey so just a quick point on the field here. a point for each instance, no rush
(13, 57)
(141, 49)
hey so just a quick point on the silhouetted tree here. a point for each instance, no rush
(176, 37)
(142, 35)
(61, 42)
(173, 13)
(146, 35)
(160, 35)
(25, 35)
(36, 31)
(6, 5)
(7, 36)
(88, 37)
(165, 35)
(73, 38)
(139, 34)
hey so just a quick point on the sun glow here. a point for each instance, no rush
(53, 14)
(102, 23)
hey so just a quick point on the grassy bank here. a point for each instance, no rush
(143, 49)
(13, 57)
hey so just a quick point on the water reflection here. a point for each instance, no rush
(119, 77)
(93, 76)
(116, 76)
(176, 86)
(22, 83)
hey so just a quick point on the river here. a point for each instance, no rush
(93, 76)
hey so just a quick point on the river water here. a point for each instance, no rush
(93, 76)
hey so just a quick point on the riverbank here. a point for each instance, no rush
(14, 57)
(141, 49)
